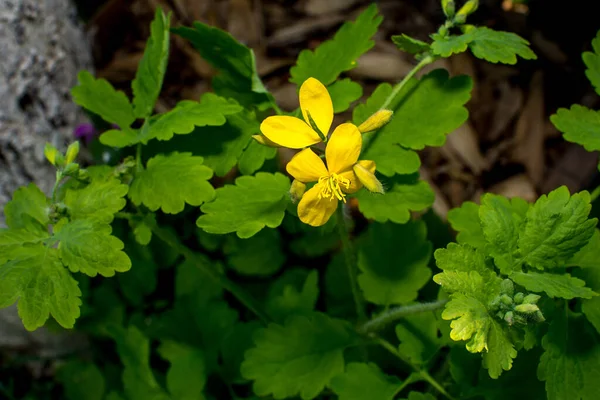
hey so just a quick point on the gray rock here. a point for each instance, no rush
(42, 47)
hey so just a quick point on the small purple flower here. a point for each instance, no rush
(85, 131)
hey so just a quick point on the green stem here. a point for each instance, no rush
(351, 266)
(425, 61)
(55, 187)
(418, 371)
(397, 313)
(595, 194)
(240, 294)
(138, 158)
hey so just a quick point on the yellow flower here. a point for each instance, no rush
(295, 133)
(334, 181)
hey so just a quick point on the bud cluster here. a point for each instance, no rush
(517, 307)
(65, 162)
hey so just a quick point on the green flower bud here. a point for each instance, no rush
(527, 308)
(72, 152)
(469, 8)
(531, 299)
(72, 170)
(449, 8)
(509, 318)
(376, 121)
(507, 287)
(538, 316)
(519, 298)
(506, 300)
(50, 153)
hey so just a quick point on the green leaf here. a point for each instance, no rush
(141, 280)
(28, 209)
(99, 97)
(254, 156)
(235, 343)
(425, 111)
(591, 307)
(295, 292)
(501, 225)
(189, 279)
(589, 255)
(142, 228)
(211, 110)
(13, 240)
(151, 69)
(42, 285)
(387, 279)
(405, 194)
(238, 77)
(171, 181)
(464, 258)
(418, 335)
(248, 206)
(298, 358)
(186, 376)
(339, 54)
(592, 62)
(501, 351)
(470, 321)
(557, 226)
(570, 364)
(120, 138)
(134, 350)
(465, 220)
(410, 45)
(344, 92)
(579, 125)
(100, 200)
(555, 285)
(81, 381)
(363, 381)
(259, 255)
(89, 247)
(445, 46)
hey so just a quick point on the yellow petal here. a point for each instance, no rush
(316, 211)
(289, 132)
(367, 177)
(355, 183)
(314, 98)
(262, 139)
(343, 148)
(306, 166)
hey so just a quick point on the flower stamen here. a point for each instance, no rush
(333, 187)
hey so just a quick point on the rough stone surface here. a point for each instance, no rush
(42, 47)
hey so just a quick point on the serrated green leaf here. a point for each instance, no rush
(500, 351)
(344, 92)
(418, 336)
(297, 358)
(254, 156)
(238, 77)
(338, 293)
(555, 285)
(589, 255)
(235, 343)
(248, 206)
(445, 46)
(81, 381)
(389, 280)
(464, 258)
(579, 125)
(120, 138)
(28, 209)
(501, 226)
(339, 54)
(570, 364)
(470, 321)
(363, 381)
(295, 292)
(425, 111)
(134, 350)
(592, 62)
(12, 240)
(186, 376)
(88, 247)
(99, 201)
(465, 220)
(42, 285)
(557, 226)
(469, 283)
(211, 110)
(151, 69)
(171, 181)
(259, 255)
(142, 228)
(405, 194)
(99, 97)
(410, 45)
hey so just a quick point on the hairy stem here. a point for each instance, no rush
(240, 294)
(351, 266)
(397, 313)
(426, 60)
(422, 373)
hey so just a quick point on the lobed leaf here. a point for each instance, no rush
(501, 351)
(339, 54)
(295, 293)
(385, 279)
(363, 381)
(579, 125)
(592, 62)
(187, 375)
(248, 206)
(171, 181)
(418, 336)
(81, 381)
(465, 220)
(99, 201)
(344, 92)
(259, 255)
(410, 45)
(555, 285)
(28, 209)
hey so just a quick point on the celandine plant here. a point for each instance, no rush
(235, 298)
